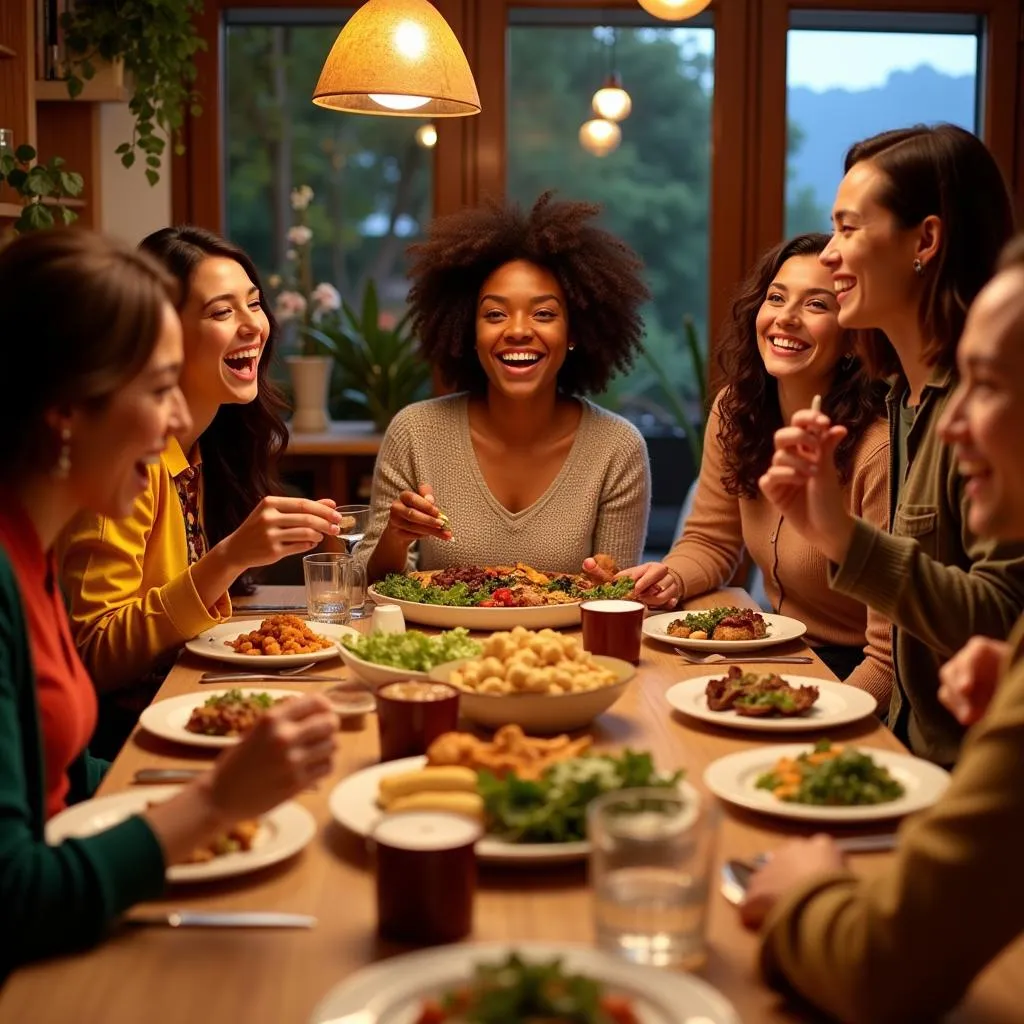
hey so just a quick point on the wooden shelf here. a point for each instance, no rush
(56, 91)
(12, 210)
(6, 53)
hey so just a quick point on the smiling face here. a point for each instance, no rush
(225, 331)
(113, 446)
(522, 329)
(798, 332)
(871, 257)
(984, 420)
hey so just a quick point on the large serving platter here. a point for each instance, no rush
(485, 620)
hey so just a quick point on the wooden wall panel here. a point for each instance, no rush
(71, 130)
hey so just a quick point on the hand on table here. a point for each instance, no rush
(803, 484)
(655, 584)
(792, 863)
(415, 515)
(968, 680)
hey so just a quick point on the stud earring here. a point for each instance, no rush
(572, 345)
(918, 267)
(63, 467)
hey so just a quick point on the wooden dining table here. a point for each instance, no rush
(161, 975)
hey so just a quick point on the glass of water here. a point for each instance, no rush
(651, 856)
(327, 576)
(354, 521)
(356, 589)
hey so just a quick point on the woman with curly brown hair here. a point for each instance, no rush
(139, 587)
(525, 313)
(782, 346)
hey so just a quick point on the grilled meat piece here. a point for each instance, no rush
(754, 696)
(741, 625)
(723, 693)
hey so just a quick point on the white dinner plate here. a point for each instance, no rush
(283, 832)
(485, 620)
(837, 704)
(353, 805)
(734, 778)
(780, 629)
(167, 718)
(212, 643)
(393, 991)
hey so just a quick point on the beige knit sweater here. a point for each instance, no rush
(598, 502)
(795, 574)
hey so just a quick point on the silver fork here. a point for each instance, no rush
(223, 677)
(719, 659)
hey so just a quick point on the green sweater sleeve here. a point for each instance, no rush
(53, 898)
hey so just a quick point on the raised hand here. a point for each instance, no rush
(655, 584)
(803, 483)
(280, 526)
(414, 514)
(967, 682)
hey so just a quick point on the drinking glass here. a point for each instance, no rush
(353, 531)
(651, 856)
(327, 576)
(356, 589)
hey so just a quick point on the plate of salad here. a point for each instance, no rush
(493, 983)
(494, 596)
(526, 820)
(380, 658)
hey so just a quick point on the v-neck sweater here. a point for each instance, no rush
(597, 503)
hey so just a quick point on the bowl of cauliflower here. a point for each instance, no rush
(544, 682)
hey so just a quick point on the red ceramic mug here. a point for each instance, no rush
(613, 628)
(411, 714)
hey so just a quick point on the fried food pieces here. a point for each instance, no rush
(238, 839)
(231, 714)
(511, 750)
(280, 634)
(755, 696)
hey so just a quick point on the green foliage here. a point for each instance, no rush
(157, 40)
(36, 182)
(377, 367)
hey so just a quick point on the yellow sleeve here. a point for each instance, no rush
(129, 589)
(906, 945)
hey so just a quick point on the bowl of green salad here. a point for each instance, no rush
(379, 658)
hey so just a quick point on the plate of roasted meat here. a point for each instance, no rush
(768, 702)
(722, 629)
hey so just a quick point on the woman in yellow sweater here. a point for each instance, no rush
(782, 346)
(138, 588)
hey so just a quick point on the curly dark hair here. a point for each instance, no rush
(242, 445)
(749, 409)
(599, 275)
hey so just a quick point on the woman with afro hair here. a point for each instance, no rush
(783, 345)
(524, 313)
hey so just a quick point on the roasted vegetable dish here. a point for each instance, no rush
(758, 696)
(719, 624)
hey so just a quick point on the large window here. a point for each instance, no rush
(370, 176)
(850, 76)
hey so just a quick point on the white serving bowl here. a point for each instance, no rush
(539, 714)
(377, 675)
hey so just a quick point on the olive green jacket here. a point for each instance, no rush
(938, 583)
(904, 946)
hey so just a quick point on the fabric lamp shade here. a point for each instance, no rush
(397, 57)
(673, 10)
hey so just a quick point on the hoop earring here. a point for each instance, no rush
(918, 267)
(848, 361)
(63, 467)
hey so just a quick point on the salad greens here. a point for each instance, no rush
(412, 649)
(405, 588)
(513, 990)
(831, 776)
(553, 809)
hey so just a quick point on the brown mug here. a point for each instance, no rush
(426, 875)
(411, 714)
(613, 628)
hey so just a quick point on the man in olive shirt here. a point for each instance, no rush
(905, 946)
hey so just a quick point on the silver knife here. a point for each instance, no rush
(149, 776)
(223, 919)
(251, 677)
(283, 608)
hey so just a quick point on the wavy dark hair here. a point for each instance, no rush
(243, 444)
(947, 172)
(599, 274)
(749, 408)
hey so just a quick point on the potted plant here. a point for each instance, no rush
(157, 41)
(36, 183)
(306, 308)
(378, 365)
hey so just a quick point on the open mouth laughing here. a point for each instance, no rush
(520, 361)
(787, 345)
(142, 467)
(242, 362)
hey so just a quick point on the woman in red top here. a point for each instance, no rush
(80, 431)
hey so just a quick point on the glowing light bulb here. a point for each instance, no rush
(399, 102)
(426, 136)
(599, 136)
(673, 10)
(410, 40)
(611, 101)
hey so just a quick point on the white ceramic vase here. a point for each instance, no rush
(311, 382)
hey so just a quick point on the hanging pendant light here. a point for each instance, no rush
(599, 136)
(673, 10)
(397, 57)
(426, 136)
(611, 101)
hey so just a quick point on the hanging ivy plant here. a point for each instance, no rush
(157, 40)
(42, 188)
